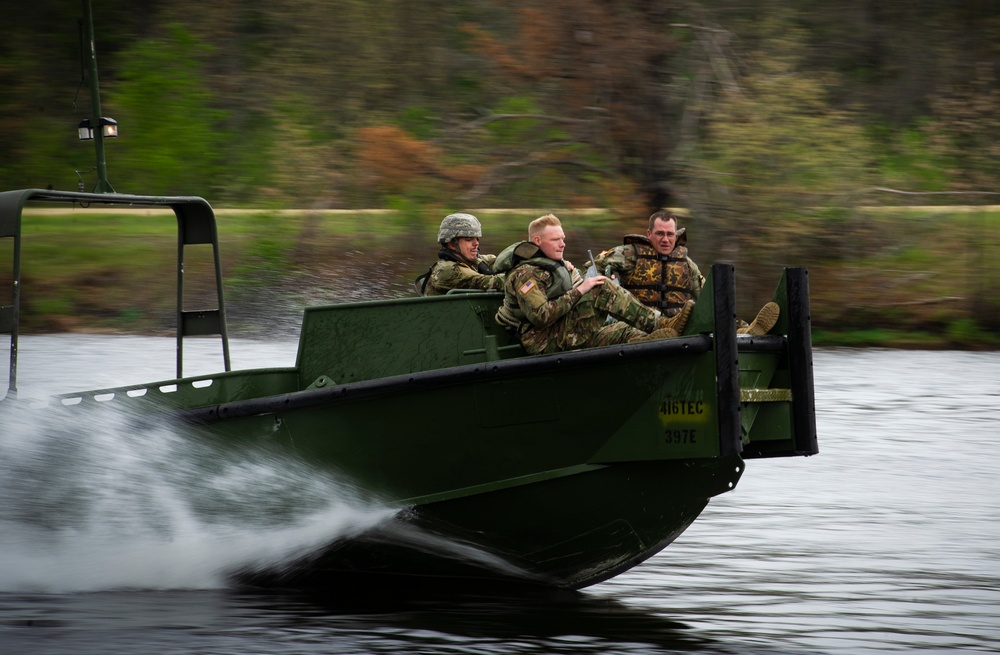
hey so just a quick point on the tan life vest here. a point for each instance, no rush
(661, 281)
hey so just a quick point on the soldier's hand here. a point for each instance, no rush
(591, 282)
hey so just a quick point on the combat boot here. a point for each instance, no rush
(764, 321)
(661, 333)
(678, 320)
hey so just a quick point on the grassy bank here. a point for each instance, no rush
(912, 278)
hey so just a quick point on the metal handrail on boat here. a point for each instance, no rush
(195, 225)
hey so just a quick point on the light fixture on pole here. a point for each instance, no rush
(97, 127)
(109, 128)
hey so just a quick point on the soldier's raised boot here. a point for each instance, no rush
(661, 333)
(766, 318)
(678, 320)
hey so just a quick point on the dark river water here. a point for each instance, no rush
(887, 541)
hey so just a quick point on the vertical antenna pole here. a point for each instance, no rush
(103, 186)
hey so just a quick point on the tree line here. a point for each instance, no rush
(771, 122)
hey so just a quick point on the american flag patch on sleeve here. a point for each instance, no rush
(527, 286)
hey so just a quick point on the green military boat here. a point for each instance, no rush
(556, 478)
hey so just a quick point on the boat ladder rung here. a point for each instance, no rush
(765, 395)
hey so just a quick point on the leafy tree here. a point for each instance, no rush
(170, 141)
(964, 131)
(600, 73)
(780, 168)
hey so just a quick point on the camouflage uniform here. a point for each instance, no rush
(571, 319)
(662, 281)
(452, 270)
(449, 274)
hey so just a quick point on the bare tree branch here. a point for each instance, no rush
(923, 301)
(500, 174)
(938, 193)
(479, 122)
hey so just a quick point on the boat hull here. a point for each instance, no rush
(520, 471)
(571, 531)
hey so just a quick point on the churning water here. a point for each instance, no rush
(116, 534)
(101, 499)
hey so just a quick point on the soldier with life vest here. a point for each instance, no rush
(459, 264)
(656, 268)
(658, 271)
(554, 309)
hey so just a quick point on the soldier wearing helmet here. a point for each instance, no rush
(459, 265)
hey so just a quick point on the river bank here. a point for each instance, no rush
(113, 272)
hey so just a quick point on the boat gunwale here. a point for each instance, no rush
(304, 398)
(423, 380)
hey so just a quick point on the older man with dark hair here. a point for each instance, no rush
(658, 271)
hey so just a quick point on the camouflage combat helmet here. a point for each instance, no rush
(459, 225)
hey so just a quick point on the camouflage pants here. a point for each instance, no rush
(618, 302)
(586, 325)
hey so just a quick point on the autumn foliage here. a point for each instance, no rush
(392, 161)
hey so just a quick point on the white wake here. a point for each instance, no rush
(97, 499)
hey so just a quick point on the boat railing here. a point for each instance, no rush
(195, 225)
(182, 394)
